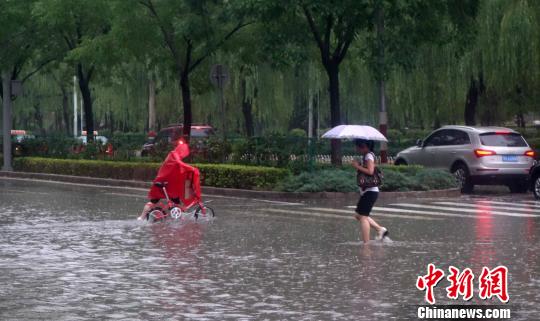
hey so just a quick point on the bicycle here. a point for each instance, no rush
(168, 209)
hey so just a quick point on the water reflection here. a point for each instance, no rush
(89, 259)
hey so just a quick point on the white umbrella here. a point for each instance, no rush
(355, 132)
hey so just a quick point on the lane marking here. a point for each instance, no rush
(128, 195)
(314, 214)
(495, 207)
(477, 211)
(402, 210)
(412, 217)
(519, 203)
(23, 191)
(532, 202)
(259, 213)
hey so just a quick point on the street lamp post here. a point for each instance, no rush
(383, 116)
(75, 131)
(6, 84)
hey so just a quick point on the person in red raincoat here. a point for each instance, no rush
(183, 180)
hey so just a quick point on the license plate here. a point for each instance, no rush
(509, 158)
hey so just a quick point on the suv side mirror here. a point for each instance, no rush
(419, 142)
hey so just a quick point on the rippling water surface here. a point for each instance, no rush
(74, 253)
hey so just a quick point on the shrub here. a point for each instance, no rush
(298, 132)
(217, 175)
(329, 180)
(396, 178)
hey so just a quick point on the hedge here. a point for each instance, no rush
(396, 178)
(216, 175)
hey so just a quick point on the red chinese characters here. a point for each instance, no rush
(460, 283)
(491, 283)
(429, 281)
(494, 283)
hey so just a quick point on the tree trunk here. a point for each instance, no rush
(471, 103)
(84, 86)
(186, 101)
(332, 70)
(65, 110)
(247, 111)
(151, 104)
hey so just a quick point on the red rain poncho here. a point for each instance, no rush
(183, 180)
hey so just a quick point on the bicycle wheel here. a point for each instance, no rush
(156, 214)
(176, 212)
(207, 215)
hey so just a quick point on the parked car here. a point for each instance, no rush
(102, 139)
(19, 138)
(107, 148)
(534, 180)
(476, 156)
(170, 134)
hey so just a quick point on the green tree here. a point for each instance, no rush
(79, 30)
(188, 33)
(24, 49)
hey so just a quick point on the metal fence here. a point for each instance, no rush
(273, 150)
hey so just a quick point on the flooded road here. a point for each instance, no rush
(70, 252)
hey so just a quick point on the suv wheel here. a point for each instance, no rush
(518, 187)
(400, 162)
(536, 187)
(461, 172)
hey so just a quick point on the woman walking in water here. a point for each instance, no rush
(368, 195)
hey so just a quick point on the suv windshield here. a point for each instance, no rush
(502, 140)
(200, 132)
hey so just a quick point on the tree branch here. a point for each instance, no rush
(166, 35)
(38, 68)
(328, 31)
(315, 32)
(198, 61)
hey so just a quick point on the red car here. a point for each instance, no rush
(171, 133)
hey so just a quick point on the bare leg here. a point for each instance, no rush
(374, 224)
(364, 227)
(145, 210)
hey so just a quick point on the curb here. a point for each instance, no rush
(267, 195)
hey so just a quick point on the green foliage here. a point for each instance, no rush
(396, 178)
(240, 176)
(217, 175)
(298, 132)
(327, 180)
(431, 51)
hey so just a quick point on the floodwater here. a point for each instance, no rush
(71, 252)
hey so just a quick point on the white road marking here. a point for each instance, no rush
(260, 213)
(128, 195)
(412, 217)
(495, 207)
(315, 214)
(520, 203)
(403, 210)
(454, 209)
(532, 202)
(253, 199)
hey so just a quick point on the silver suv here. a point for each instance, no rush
(476, 156)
